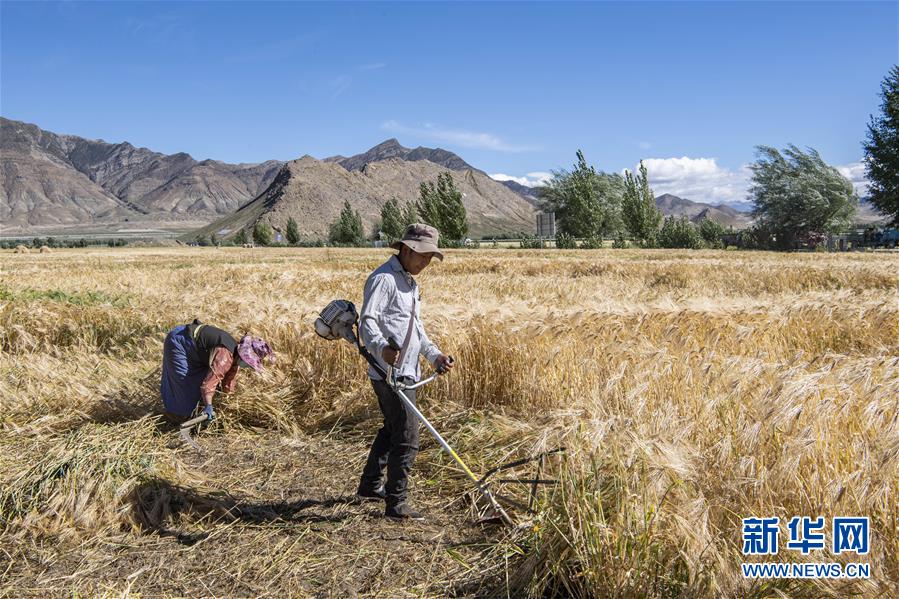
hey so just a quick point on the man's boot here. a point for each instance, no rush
(402, 511)
(372, 494)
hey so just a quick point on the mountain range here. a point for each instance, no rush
(67, 184)
(313, 191)
(671, 205)
(64, 181)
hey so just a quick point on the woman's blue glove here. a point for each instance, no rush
(210, 413)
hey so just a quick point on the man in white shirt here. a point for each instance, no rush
(391, 312)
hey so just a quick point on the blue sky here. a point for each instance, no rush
(514, 88)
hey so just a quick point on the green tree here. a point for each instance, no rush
(347, 229)
(410, 214)
(587, 203)
(564, 241)
(679, 233)
(882, 150)
(427, 206)
(798, 196)
(639, 213)
(293, 232)
(441, 207)
(263, 234)
(711, 233)
(240, 238)
(392, 220)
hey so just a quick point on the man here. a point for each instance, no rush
(196, 357)
(391, 312)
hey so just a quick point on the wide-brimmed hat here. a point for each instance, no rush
(251, 351)
(420, 238)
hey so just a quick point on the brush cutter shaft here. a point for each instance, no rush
(398, 389)
(446, 447)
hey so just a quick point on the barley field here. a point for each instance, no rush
(691, 389)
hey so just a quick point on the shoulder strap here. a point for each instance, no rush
(405, 344)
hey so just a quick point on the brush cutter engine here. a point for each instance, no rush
(337, 320)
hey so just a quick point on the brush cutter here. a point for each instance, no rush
(339, 320)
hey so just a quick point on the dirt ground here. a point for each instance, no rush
(285, 511)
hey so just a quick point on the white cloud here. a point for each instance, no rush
(530, 180)
(697, 179)
(459, 137)
(855, 172)
(704, 180)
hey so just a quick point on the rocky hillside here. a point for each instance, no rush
(49, 179)
(313, 191)
(392, 149)
(528, 193)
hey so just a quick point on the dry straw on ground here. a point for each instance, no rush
(691, 388)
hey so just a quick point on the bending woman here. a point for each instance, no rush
(196, 357)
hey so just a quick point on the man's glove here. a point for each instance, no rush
(210, 413)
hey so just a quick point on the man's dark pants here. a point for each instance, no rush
(395, 445)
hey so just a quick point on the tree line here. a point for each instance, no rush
(53, 242)
(798, 198)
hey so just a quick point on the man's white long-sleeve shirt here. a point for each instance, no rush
(390, 297)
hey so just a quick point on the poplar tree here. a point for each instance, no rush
(639, 213)
(440, 205)
(347, 229)
(392, 220)
(293, 232)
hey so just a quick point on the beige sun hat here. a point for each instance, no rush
(420, 238)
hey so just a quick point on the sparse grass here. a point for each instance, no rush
(691, 389)
(88, 298)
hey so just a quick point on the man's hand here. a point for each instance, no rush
(443, 363)
(390, 355)
(210, 413)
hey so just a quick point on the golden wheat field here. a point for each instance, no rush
(691, 389)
